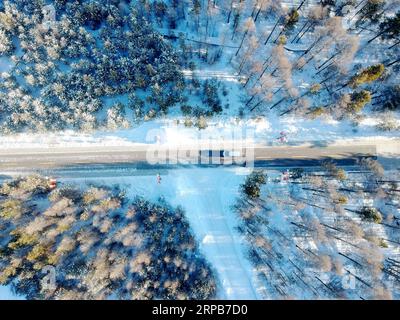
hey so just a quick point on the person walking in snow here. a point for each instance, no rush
(158, 178)
(283, 137)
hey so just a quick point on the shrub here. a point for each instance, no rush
(188, 123)
(37, 252)
(383, 243)
(391, 98)
(186, 110)
(292, 18)
(11, 209)
(391, 27)
(210, 96)
(342, 199)
(387, 124)
(94, 195)
(201, 122)
(68, 192)
(334, 171)
(252, 185)
(371, 214)
(315, 88)
(367, 75)
(6, 45)
(358, 101)
(316, 112)
(282, 40)
(23, 239)
(35, 184)
(340, 174)
(296, 173)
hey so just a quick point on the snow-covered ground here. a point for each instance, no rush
(264, 131)
(5, 64)
(6, 294)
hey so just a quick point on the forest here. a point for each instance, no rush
(329, 234)
(63, 71)
(94, 65)
(96, 244)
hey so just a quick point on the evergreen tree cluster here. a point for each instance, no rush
(65, 68)
(99, 244)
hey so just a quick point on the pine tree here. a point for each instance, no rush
(367, 75)
(358, 101)
(390, 28)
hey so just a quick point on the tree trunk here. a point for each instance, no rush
(277, 103)
(358, 11)
(394, 45)
(208, 3)
(256, 17)
(235, 25)
(247, 81)
(301, 4)
(278, 90)
(377, 35)
(359, 4)
(230, 12)
(308, 61)
(250, 100)
(256, 105)
(318, 72)
(328, 78)
(351, 259)
(311, 47)
(328, 60)
(272, 31)
(241, 43)
(392, 63)
(308, 28)
(262, 73)
(302, 28)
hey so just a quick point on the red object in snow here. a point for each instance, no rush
(53, 183)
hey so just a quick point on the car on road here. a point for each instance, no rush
(218, 156)
(231, 153)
